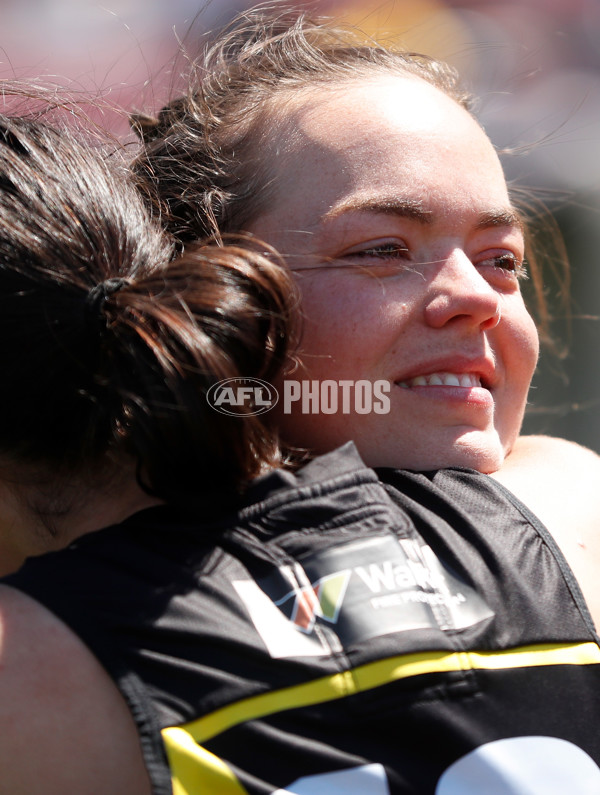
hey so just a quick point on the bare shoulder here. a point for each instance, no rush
(70, 729)
(538, 462)
(556, 445)
(555, 478)
(559, 481)
(543, 470)
(550, 450)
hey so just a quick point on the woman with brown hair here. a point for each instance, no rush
(122, 343)
(109, 347)
(368, 171)
(409, 628)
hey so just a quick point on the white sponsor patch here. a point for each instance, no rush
(356, 591)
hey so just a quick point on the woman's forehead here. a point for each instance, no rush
(382, 137)
(401, 98)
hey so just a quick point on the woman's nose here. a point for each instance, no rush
(459, 293)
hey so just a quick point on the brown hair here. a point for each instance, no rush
(108, 345)
(200, 168)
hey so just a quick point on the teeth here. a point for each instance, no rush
(466, 380)
(469, 379)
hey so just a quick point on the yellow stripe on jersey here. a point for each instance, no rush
(193, 767)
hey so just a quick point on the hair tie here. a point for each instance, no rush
(96, 297)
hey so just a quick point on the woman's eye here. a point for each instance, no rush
(506, 262)
(376, 259)
(381, 251)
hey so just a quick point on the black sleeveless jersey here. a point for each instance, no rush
(346, 631)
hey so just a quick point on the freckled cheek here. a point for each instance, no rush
(337, 326)
(332, 336)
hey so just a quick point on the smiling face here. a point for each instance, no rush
(392, 209)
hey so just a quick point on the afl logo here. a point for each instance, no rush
(242, 396)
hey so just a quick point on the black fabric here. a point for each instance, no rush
(381, 609)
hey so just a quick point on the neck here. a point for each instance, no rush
(104, 508)
(28, 531)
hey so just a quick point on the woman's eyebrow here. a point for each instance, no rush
(404, 208)
(502, 217)
(416, 211)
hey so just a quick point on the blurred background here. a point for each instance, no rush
(535, 64)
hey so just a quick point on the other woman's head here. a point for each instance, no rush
(366, 169)
(109, 345)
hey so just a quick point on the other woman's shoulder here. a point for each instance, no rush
(56, 697)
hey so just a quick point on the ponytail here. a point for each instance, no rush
(108, 345)
(213, 314)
